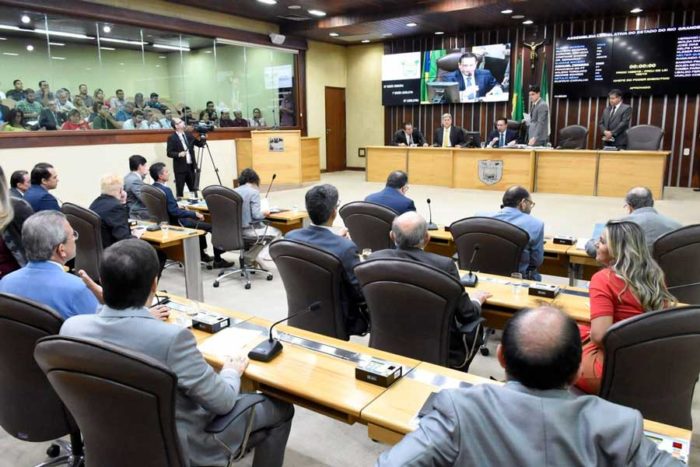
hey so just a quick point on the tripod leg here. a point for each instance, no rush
(213, 164)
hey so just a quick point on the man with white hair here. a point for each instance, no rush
(111, 207)
(448, 136)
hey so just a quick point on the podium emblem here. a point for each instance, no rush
(490, 172)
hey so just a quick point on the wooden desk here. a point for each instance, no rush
(382, 160)
(517, 167)
(430, 166)
(285, 221)
(618, 171)
(582, 265)
(572, 172)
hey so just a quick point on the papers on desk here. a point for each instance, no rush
(229, 341)
(581, 243)
(677, 447)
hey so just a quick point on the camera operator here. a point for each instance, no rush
(181, 150)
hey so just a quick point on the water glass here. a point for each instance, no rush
(516, 282)
(164, 227)
(365, 253)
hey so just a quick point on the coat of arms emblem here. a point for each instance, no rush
(490, 172)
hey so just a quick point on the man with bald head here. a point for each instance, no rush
(533, 419)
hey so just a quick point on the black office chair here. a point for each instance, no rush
(678, 254)
(226, 209)
(652, 364)
(310, 275)
(573, 137)
(88, 251)
(124, 403)
(369, 224)
(412, 309)
(644, 138)
(518, 127)
(157, 204)
(30, 410)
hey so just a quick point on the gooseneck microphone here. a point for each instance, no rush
(470, 280)
(274, 176)
(431, 226)
(268, 349)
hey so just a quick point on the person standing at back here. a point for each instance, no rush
(393, 196)
(180, 149)
(615, 121)
(538, 131)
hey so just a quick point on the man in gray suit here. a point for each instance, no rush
(615, 121)
(133, 183)
(128, 272)
(533, 419)
(538, 131)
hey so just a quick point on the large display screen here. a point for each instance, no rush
(647, 62)
(475, 74)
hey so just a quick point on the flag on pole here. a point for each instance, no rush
(430, 71)
(517, 101)
(544, 87)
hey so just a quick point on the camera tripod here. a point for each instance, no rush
(199, 161)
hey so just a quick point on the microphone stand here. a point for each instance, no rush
(431, 226)
(270, 348)
(471, 279)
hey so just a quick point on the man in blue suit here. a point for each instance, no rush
(49, 242)
(322, 206)
(502, 136)
(393, 196)
(44, 178)
(475, 83)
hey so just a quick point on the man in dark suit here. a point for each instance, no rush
(448, 136)
(50, 118)
(180, 149)
(322, 206)
(473, 83)
(615, 121)
(502, 136)
(191, 219)
(393, 196)
(44, 178)
(409, 136)
(409, 232)
(19, 183)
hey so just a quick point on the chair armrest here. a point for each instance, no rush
(471, 326)
(455, 257)
(243, 404)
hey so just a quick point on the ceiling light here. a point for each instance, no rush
(268, 2)
(294, 7)
(122, 41)
(528, 21)
(518, 16)
(58, 44)
(171, 47)
(439, 33)
(62, 34)
(366, 41)
(26, 19)
(636, 10)
(506, 12)
(411, 25)
(106, 29)
(11, 54)
(58, 58)
(207, 51)
(107, 48)
(386, 34)
(333, 34)
(317, 12)
(30, 48)
(5, 38)
(162, 56)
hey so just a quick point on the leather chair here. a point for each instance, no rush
(518, 127)
(369, 224)
(678, 254)
(411, 308)
(88, 253)
(156, 203)
(652, 364)
(124, 402)
(573, 137)
(644, 138)
(226, 210)
(30, 410)
(501, 244)
(310, 275)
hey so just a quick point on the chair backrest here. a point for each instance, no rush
(573, 137)
(369, 224)
(644, 137)
(310, 274)
(500, 243)
(652, 364)
(29, 407)
(411, 307)
(678, 254)
(124, 402)
(226, 210)
(516, 126)
(88, 248)
(156, 203)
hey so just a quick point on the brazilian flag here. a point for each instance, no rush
(517, 101)
(430, 71)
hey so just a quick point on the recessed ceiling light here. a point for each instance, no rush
(386, 34)
(528, 21)
(58, 44)
(317, 12)
(439, 33)
(366, 41)
(58, 58)
(11, 54)
(333, 34)
(107, 48)
(636, 10)
(411, 25)
(106, 29)
(5, 38)
(162, 56)
(30, 48)
(294, 7)
(518, 16)
(207, 51)
(26, 19)
(268, 2)
(506, 12)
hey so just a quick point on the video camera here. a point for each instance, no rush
(203, 127)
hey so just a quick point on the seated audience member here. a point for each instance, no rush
(63, 103)
(74, 122)
(187, 116)
(102, 119)
(257, 120)
(49, 242)
(136, 122)
(13, 213)
(287, 114)
(19, 183)
(161, 175)
(17, 93)
(409, 136)
(30, 107)
(167, 120)
(15, 117)
(139, 102)
(322, 204)
(151, 119)
(238, 120)
(80, 106)
(502, 136)
(225, 119)
(125, 112)
(44, 94)
(210, 112)
(154, 103)
(4, 114)
(133, 183)
(50, 118)
(44, 178)
(639, 203)
(99, 96)
(84, 96)
(448, 136)
(129, 275)
(631, 283)
(516, 208)
(533, 419)
(393, 196)
(409, 232)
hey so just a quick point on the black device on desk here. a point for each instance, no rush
(267, 350)
(471, 279)
(153, 228)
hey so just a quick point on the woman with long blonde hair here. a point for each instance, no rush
(630, 284)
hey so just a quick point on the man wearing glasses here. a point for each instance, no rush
(49, 243)
(516, 208)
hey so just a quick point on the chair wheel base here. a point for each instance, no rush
(269, 277)
(53, 451)
(216, 284)
(247, 286)
(484, 351)
(209, 267)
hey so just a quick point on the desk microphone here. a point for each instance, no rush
(431, 226)
(470, 280)
(274, 176)
(267, 350)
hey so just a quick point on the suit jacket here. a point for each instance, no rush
(115, 219)
(515, 425)
(456, 136)
(618, 125)
(40, 199)
(539, 126)
(392, 199)
(51, 120)
(482, 78)
(174, 210)
(201, 392)
(133, 182)
(510, 136)
(67, 294)
(4, 113)
(174, 147)
(400, 137)
(15, 193)
(251, 204)
(12, 234)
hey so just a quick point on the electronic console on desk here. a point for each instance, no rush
(543, 290)
(564, 240)
(378, 372)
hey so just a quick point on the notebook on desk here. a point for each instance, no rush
(595, 235)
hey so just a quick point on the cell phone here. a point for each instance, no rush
(163, 301)
(153, 228)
